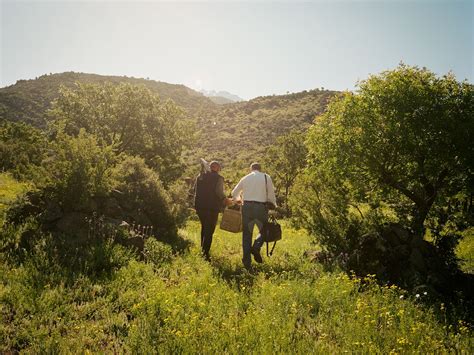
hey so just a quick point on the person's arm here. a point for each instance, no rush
(271, 190)
(194, 191)
(220, 188)
(236, 192)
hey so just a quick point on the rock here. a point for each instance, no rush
(401, 251)
(112, 208)
(73, 223)
(417, 260)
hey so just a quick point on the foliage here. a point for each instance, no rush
(239, 133)
(78, 169)
(234, 133)
(401, 141)
(284, 161)
(142, 197)
(187, 305)
(465, 251)
(22, 149)
(9, 190)
(157, 253)
(131, 119)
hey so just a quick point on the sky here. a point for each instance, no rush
(247, 48)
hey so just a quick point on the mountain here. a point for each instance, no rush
(221, 97)
(239, 133)
(28, 100)
(235, 133)
(219, 100)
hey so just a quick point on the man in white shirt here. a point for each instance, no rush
(254, 191)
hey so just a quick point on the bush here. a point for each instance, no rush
(142, 198)
(79, 169)
(22, 148)
(157, 253)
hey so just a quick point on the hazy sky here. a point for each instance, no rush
(247, 48)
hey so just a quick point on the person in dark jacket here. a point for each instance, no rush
(209, 201)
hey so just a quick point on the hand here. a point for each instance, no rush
(238, 202)
(228, 202)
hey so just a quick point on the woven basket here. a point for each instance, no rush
(231, 220)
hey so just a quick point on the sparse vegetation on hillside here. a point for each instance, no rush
(29, 100)
(241, 132)
(234, 133)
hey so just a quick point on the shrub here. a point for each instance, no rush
(22, 148)
(156, 252)
(142, 197)
(79, 169)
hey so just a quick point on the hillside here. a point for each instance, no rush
(242, 131)
(28, 100)
(234, 133)
(220, 100)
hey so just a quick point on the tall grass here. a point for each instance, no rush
(9, 190)
(180, 303)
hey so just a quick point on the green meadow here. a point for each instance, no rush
(174, 301)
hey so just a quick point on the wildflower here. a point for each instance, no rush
(401, 297)
(425, 293)
(417, 295)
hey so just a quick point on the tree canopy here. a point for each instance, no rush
(131, 119)
(401, 144)
(284, 160)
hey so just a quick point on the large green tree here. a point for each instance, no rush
(400, 145)
(284, 160)
(130, 118)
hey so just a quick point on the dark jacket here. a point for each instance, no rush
(209, 191)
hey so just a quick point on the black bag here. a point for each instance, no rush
(271, 232)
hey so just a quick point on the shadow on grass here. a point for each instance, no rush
(237, 276)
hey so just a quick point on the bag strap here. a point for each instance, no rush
(271, 251)
(273, 248)
(266, 188)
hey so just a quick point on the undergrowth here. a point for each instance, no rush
(176, 302)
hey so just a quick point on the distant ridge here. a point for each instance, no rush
(221, 97)
(28, 100)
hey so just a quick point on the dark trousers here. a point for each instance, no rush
(208, 221)
(252, 214)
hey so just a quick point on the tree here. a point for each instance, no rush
(401, 145)
(284, 160)
(22, 148)
(131, 118)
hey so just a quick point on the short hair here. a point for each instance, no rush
(255, 166)
(214, 163)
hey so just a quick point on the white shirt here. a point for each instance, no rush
(252, 187)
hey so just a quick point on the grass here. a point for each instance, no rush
(185, 304)
(9, 190)
(179, 303)
(465, 251)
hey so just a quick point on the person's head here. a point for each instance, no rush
(255, 167)
(215, 166)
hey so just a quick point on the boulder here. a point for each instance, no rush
(73, 222)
